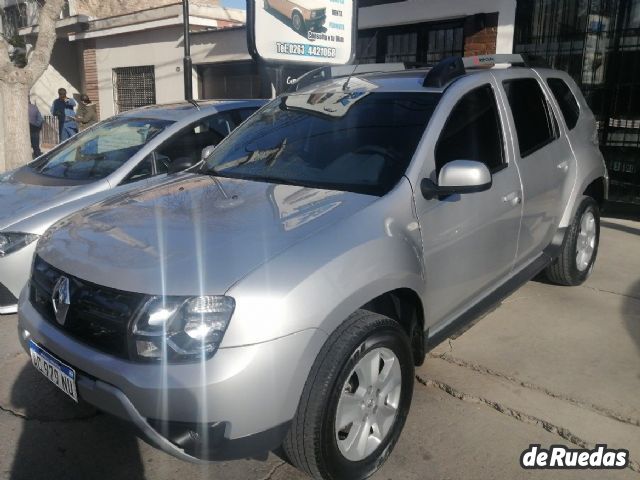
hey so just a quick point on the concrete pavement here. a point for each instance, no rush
(552, 365)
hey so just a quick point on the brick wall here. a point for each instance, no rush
(90, 73)
(481, 34)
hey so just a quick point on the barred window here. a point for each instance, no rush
(133, 87)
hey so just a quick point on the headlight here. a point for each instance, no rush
(181, 330)
(12, 242)
(316, 13)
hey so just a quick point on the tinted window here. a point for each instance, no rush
(533, 119)
(100, 151)
(355, 141)
(245, 113)
(567, 102)
(473, 131)
(143, 170)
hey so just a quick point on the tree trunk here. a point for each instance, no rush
(15, 134)
(15, 84)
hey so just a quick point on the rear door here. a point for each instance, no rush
(470, 241)
(543, 156)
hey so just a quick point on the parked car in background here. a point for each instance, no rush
(122, 153)
(304, 15)
(282, 293)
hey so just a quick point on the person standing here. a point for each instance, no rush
(87, 113)
(63, 109)
(35, 126)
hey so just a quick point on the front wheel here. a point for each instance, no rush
(580, 247)
(355, 402)
(297, 22)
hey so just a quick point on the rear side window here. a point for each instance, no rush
(566, 100)
(534, 121)
(473, 132)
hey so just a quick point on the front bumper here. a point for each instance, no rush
(14, 274)
(238, 404)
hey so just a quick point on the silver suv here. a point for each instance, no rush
(283, 294)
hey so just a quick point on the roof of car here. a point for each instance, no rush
(182, 110)
(399, 78)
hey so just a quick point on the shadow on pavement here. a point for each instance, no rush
(622, 211)
(63, 440)
(621, 228)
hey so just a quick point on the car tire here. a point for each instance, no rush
(579, 248)
(297, 22)
(338, 380)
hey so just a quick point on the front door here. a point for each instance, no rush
(470, 241)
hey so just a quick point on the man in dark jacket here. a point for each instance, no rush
(35, 125)
(63, 109)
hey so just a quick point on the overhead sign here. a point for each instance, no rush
(321, 32)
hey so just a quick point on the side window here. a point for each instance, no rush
(473, 132)
(245, 113)
(190, 141)
(143, 170)
(566, 100)
(534, 121)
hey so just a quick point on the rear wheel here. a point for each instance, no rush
(355, 401)
(580, 247)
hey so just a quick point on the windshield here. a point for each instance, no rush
(100, 151)
(353, 141)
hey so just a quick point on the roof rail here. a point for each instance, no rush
(342, 71)
(453, 67)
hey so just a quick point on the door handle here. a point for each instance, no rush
(512, 199)
(564, 166)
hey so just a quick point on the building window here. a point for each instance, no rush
(417, 44)
(14, 18)
(133, 87)
(230, 80)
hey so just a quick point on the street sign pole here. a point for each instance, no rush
(188, 64)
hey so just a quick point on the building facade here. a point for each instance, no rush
(598, 43)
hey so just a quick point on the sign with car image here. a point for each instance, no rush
(302, 31)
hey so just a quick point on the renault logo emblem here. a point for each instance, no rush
(61, 300)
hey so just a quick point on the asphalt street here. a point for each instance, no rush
(551, 365)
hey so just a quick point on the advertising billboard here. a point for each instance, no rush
(320, 32)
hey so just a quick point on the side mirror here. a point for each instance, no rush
(459, 176)
(180, 164)
(206, 152)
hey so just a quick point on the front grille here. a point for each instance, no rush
(6, 297)
(98, 316)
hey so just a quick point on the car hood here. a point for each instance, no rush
(193, 235)
(20, 200)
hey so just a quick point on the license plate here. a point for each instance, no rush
(58, 373)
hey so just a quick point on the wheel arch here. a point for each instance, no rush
(405, 307)
(597, 190)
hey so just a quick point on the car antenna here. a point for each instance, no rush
(194, 103)
(345, 87)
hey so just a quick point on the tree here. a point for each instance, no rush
(15, 84)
